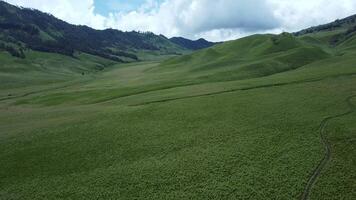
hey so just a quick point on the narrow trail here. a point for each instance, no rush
(327, 154)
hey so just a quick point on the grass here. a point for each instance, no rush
(43, 70)
(339, 177)
(181, 128)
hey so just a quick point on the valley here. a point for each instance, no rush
(268, 116)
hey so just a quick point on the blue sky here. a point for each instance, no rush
(104, 7)
(215, 20)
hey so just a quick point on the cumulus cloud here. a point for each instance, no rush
(211, 19)
(295, 15)
(76, 12)
(193, 18)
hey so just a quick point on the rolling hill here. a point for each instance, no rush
(262, 117)
(23, 28)
(250, 57)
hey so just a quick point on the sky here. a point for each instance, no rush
(214, 20)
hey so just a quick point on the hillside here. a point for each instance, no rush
(23, 28)
(263, 55)
(262, 117)
(192, 44)
(250, 57)
(333, 33)
(339, 24)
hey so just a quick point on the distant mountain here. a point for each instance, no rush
(334, 33)
(22, 28)
(337, 24)
(192, 44)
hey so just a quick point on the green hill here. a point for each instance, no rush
(333, 33)
(262, 117)
(22, 28)
(250, 57)
(192, 44)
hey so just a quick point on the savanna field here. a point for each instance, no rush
(262, 117)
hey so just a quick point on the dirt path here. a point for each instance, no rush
(327, 155)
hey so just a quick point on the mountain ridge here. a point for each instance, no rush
(192, 44)
(339, 23)
(24, 28)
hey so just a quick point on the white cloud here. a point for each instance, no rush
(211, 19)
(295, 15)
(76, 12)
(194, 18)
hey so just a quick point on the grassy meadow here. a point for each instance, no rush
(239, 120)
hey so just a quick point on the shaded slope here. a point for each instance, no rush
(192, 44)
(22, 28)
(334, 33)
(339, 24)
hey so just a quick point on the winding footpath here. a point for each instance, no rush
(327, 155)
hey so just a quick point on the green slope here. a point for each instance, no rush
(39, 71)
(250, 57)
(332, 34)
(22, 28)
(240, 120)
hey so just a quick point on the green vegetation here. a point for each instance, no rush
(192, 44)
(240, 120)
(22, 29)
